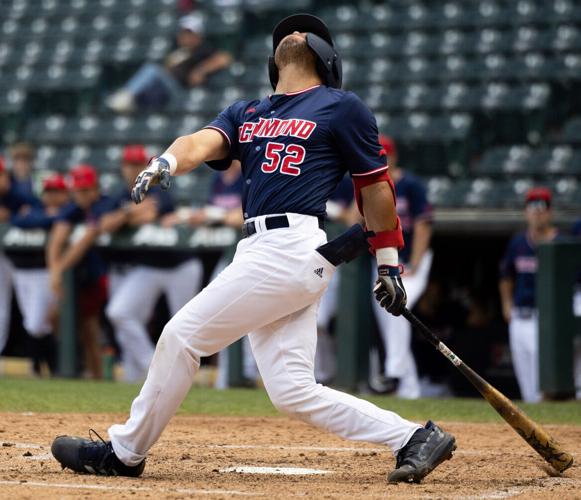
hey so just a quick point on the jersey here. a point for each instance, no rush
(412, 206)
(92, 267)
(226, 195)
(14, 200)
(296, 147)
(520, 263)
(576, 231)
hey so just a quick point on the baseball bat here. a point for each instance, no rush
(537, 437)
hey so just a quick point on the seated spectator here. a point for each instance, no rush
(189, 65)
(22, 156)
(138, 277)
(64, 252)
(31, 278)
(12, 202)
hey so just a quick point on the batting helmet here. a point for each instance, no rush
(318, 40)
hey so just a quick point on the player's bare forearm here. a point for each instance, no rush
(379, 207)
(421, 241)
(113, 221)
(58, 237)
(192, 150)
(76, 251)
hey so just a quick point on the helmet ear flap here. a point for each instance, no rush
(272, 72)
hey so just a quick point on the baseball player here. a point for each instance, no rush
(294, 146)
(415, 214)
(65, 251)
(138, 278)
(518, 271)
(31, 278)
(12, 202)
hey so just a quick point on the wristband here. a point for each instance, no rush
(387, 257)
(171, 161)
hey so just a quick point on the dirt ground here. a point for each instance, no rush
(189, 461)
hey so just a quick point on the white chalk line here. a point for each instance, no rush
(103, 487)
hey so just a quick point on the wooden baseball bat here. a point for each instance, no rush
(537, 437)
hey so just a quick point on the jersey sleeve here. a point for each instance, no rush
(227, 123)
(69, 213)
(356, 137)
(507, 267)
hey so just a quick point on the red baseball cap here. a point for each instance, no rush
(388, 145)
(134, 153)
(2, 164)
(54, 182)
(539, 194)
(83, 177)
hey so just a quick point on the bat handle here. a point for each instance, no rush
(424, 330)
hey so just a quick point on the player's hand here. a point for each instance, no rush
(157, 172)
(389, 290)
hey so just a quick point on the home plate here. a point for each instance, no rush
(286, 471)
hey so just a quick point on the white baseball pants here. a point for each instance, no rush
(271, 289)
(134, 293)
(326, 355)
(524, 351)
(5, 299)
(35, 298)
(396, 332)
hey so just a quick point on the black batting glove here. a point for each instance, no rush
(157, 172)
(389, 290)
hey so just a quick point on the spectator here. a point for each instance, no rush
(65, 252)
(137, 278)
(12, 202)
(22, 156)
(31, 278)
(518, 270)
(224, 207)
(415, 215)
(189, 65)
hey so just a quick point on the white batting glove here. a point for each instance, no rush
(157, 172)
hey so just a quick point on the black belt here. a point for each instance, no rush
(272, 222)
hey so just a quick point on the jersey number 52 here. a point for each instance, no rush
(287, 157)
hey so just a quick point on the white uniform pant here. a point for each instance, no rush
(5, 299)
(134, 293)
(249, 368)
(396, 332)
(326, 356)
(524, 350)
(35, 299)
(271, 289)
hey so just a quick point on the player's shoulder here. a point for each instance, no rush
(520, 240)
(243, 106)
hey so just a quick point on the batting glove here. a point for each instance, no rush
(157, 172)
(389, 290)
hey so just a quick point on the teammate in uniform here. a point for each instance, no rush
(31, 278)
(518, 271)
(65, 251)
(12, 202)
(177, 275)
(294, 146)
(415, 214)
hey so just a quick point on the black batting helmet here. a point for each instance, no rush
(319, 41)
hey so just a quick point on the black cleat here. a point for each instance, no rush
(426, 449)
(91, 457)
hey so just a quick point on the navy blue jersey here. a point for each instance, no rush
(33, 219)
(226, 195)
(520, 263)
(296, 147)
(23, 186)
(412, 205)
(162, 198)
(343, 194)
(14, 200)
(90, 269)
(576, 231)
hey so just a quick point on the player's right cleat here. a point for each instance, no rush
(92, 457)
(426, 449)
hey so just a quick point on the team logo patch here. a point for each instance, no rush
(319, 272)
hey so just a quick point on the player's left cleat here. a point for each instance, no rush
(426, 449)
(91, 457)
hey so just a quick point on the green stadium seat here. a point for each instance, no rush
(572, 131)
